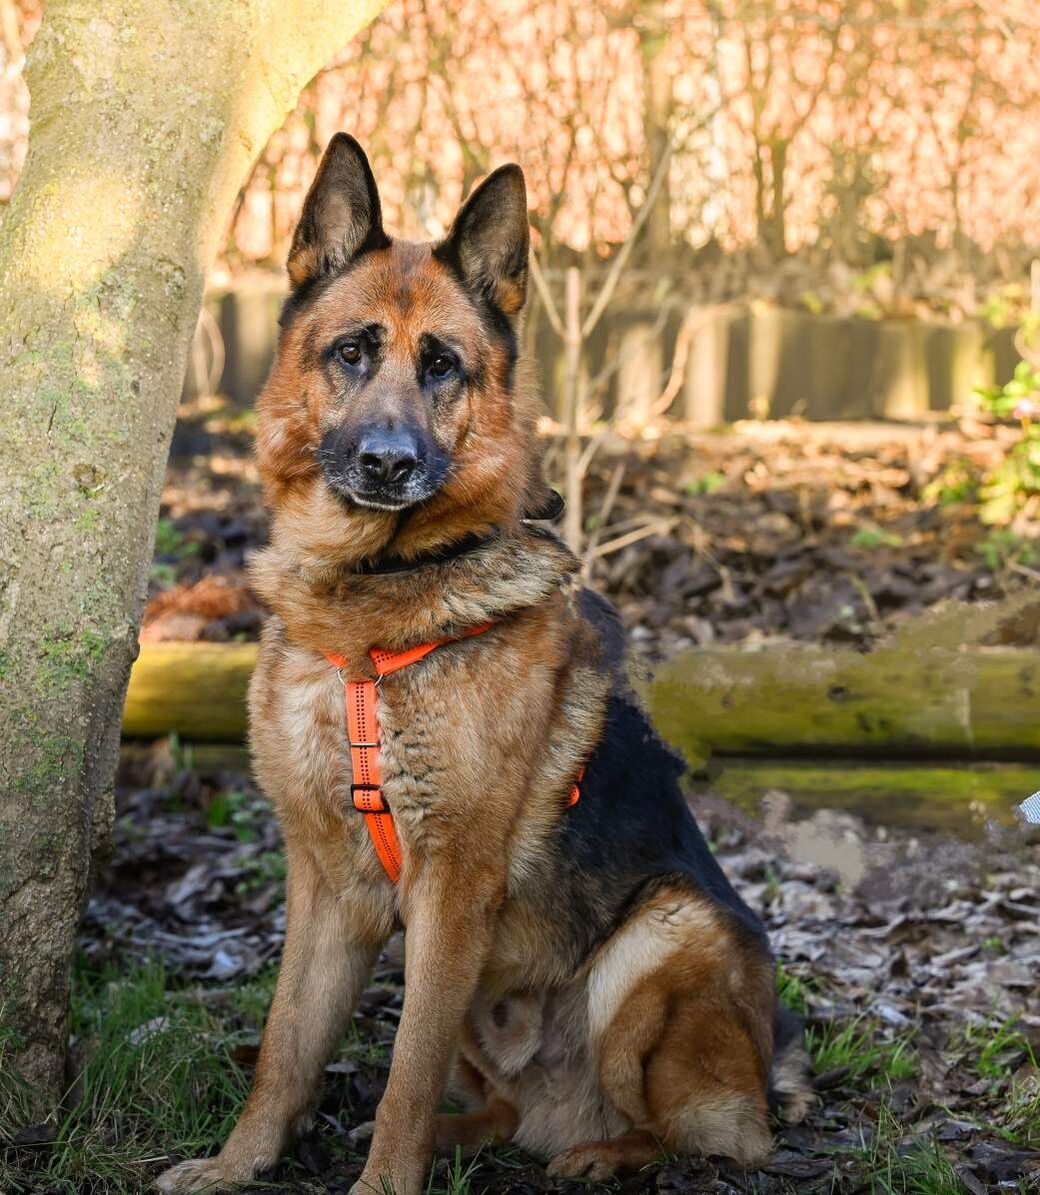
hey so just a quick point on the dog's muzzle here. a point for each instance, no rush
(380, 468)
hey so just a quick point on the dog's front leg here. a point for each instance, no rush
(449, 914)
(326, 963)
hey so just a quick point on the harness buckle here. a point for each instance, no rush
(365, 804)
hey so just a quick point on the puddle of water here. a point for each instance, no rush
(955, 798)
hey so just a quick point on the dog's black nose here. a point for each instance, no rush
(386, 456)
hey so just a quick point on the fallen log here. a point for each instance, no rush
(901, 701)
(194, 690)
(975, 702)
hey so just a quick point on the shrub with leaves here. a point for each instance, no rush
(1013, 486)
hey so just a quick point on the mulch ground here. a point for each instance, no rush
(915, 961)
(765, 532)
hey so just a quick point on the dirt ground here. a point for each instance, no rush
(914, 960)
(762, 532)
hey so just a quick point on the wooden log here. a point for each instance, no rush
(194, 690)
(900, 702)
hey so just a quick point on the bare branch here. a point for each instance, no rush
(617, 266)
(552, 312)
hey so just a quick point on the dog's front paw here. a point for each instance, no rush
(200, 1174)
(391, 1178)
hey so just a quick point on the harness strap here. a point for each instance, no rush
(366, 791)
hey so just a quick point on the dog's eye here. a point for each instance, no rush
(442, 365)
(350, 352)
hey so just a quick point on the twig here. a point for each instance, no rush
(589, 451)
(613, 489)
(542, 287)
(692, 323)
(12, 37)
(573, 522)
(622, 541)
(1023, 570)
(617, 266)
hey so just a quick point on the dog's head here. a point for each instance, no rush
(391, 417)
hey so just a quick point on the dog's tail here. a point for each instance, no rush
(790, 1079)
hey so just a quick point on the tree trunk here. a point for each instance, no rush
(145, 122)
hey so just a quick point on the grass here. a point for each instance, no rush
(1000, 1047)
(892, 1165)
(459, 1177)
(14, 1094)
(158, 1080)
(858, 1046)
(923, 1169)
(793, 992)
(1000, 1051)
(158, 1074)
(871, 536)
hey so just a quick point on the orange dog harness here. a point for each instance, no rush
(366, 791)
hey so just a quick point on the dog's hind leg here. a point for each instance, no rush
(699, 1089)
(705, 1086)
(324, 969)
(602, 1160)
(680, 1009)
(491, 1118)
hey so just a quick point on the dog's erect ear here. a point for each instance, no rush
(341, 215)
(488, 243)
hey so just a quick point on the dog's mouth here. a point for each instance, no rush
(376, 500)
(420, 487)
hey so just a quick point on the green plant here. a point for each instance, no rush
(245, 812)
(893, 1168)
(1022, 1113)
(708, 483)
(1002, 548)
(1005, 305)
(163, 574)
(1008, 486)
(999, 1048)
(15, 1096)
(171, 541)
(859, 1046)
(871, 536)
(956, 483)
(458, 1178)
(792, 991)
(266, 868)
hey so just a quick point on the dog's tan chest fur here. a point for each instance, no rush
(456, 731)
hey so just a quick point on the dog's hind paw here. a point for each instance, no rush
(598, 1161)
(200, 1174)
(602, 1160)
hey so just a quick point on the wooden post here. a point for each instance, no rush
(572, 525)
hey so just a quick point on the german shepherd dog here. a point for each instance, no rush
(582, 974)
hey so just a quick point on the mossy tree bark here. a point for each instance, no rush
(145, 121)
